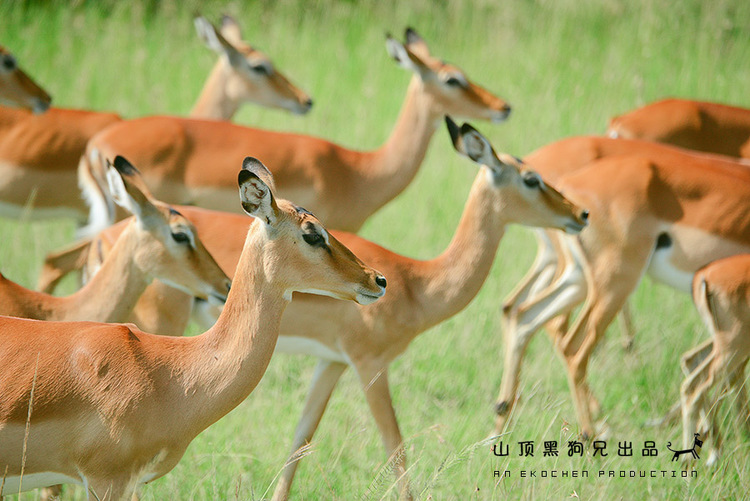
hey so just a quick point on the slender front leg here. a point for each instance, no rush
(374, 380)
(693, 395)
(688, 362)
(558, 299)
(626, 326)
(112, 489)
(51, 493)
(325, 378)
(612, 275)
(540, 274)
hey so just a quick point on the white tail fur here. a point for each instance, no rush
(92, 180)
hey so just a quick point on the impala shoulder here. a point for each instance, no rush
(111, 359)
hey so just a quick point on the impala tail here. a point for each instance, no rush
(92, 179)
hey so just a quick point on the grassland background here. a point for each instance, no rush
(566, 66)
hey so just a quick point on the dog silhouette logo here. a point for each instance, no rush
(697, 442)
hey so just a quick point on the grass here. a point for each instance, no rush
(566, 67)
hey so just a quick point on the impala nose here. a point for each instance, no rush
(584, 215)
(506, 110)
(380, 280)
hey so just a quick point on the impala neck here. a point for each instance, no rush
(450, 281)
(213, 102)
(232, 356)
(10, 116)
(394, 165)
(113, 291)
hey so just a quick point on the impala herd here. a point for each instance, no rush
(666, 194)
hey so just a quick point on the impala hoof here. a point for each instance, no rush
(502, 408)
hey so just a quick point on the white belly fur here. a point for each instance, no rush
(36, 481)
(303, 346)
(690, 250)
(662, 270)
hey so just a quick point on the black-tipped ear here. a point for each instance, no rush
(454, 131)
(230, 28)
(128, 189)
(405, 57)
(412, 36)
(226, 19)
(469, 142)
(466, 128)
(124, 167)
(416, 44)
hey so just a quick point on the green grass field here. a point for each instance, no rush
(566, 66)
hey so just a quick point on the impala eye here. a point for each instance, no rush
(181, 238)
(314, 239)
(9, 63)
(262, 69)
(454, 82)
(531, 180)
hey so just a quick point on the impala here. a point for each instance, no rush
(522, 315)
(111, 407)
(17, 88)
(39, 154)
(158, 243)
(344, 187)
(665, 214)
(697, 125)
(721, 292)
(421, 293)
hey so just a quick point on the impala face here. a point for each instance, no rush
(451, 90)
(534, 202)
(17, 89)
(186, 265)
(252, 75)
(298, 252)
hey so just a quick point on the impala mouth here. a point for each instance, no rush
(39, 106)
(368, 297)
(217, 299)
(574, 228)
(500, 115)
(302, 108)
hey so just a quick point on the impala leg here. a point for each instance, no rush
(613, 276)
(558, 299)
(626, 325)
(693, 394)
(374, 380)
(688, 362)
(324, 381)
(741, 405)
(51, 493)
(540, 274)
(112, 489)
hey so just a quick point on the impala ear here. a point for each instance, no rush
(230, 29)
(216, 41)
(404, 56)
(128, 188)
(256, 191)
(416, 44)
(470, 143)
